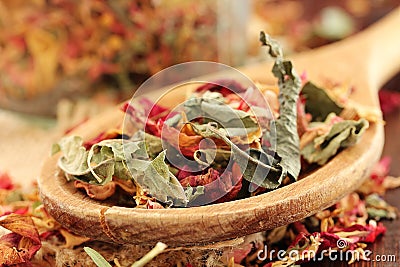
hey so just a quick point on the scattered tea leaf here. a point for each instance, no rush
(155, 178)
(100, 163)
(287, 139)
(318, 102)
(256, 170)
(97, 258)
(342, 134)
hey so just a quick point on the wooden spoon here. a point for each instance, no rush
(365, 61)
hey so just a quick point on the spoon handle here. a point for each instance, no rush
(379, 49)
(364, 61)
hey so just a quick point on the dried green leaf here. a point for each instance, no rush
(287, 139)
(209, 156)
(256, 170)
(156, 179)
(194, 192)
(318, 102)
(342, 134)
(153, 144)
(275, 49)
(97, 258)
(74, 158)
(101, 162)
(378, 208)
(174, 120)
(212, 108)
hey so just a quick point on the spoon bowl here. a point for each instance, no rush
(365, 61)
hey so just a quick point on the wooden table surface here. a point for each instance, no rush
(389, 244)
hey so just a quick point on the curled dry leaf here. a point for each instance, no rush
(22, 243)
(95, 191)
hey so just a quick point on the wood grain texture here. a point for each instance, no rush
(177, 227)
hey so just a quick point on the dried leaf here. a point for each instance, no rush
(95, 191)
(155, 178)
(212, 107)
(72, 240)
(101, 162)
(318, 102)
(159, 248)
(377, 208)
(22, 243)
(260, 171)
(96, 257)
(287, 139)
(342, 134)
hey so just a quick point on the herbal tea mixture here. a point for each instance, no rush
(235, 148)
(222, 145)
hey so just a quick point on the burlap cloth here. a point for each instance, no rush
(26, 140)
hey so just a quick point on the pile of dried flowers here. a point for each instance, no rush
(31, 237)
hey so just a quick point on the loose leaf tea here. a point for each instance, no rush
(342, 133)
(155, 177)
(265, 173)
(23, 236)
(221, 144)
(96, 257)
(287, 139)
(318, 102)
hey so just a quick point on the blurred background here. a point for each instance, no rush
(63, 61)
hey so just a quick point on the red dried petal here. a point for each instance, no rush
(381, 169)
(201, 179)
(184, 143)
(380, 229)
(225, 87)
(152, 110)
(111, 134)
(6, 182)
(240, 253)
(217, 187)
(389, 100)
(329, 240)
(128, 109)
(373, 231)
(185, 171)
(24, 237)
(232, 183)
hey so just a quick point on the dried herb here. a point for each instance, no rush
(287, 139)
(261, 171)
(318, 102)
(211, 106)
(23, 236)
(341, 134)
(96, 257)
(98, 165)
(155, 178)
(159, 248)
(378, 209)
